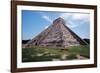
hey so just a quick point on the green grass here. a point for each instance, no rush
(36, 54)
(82, 50)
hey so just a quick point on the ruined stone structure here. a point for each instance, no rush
(56, 35)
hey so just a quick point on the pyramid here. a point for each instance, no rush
(56, 35)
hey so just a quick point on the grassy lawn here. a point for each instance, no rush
(37, 54)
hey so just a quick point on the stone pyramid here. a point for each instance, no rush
(56, 35)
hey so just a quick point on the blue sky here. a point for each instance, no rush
(34, 22)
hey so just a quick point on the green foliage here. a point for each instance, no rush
(36, 54)
(82, 50)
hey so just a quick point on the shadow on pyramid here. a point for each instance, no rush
(56, 35)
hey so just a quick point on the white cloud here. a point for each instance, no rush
(46, 18)
(72, 18)
(46, 27)
(65, 15)
(72, 25)
(76, 16)
(81, 16)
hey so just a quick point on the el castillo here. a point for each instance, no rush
(56, 43)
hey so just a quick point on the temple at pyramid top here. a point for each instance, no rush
(56, 35)
(59, 20)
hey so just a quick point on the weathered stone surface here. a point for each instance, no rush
(56, 35)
